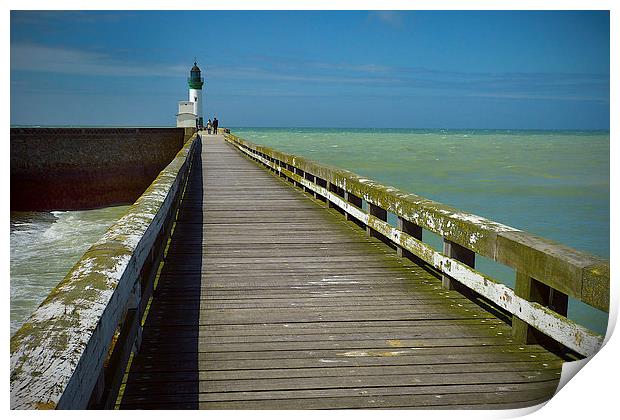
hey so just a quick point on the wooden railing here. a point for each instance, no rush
(72, 351)
(547, 273)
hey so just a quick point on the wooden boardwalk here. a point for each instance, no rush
(268, 300)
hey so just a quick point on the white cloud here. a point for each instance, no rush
(41, 58)
(540, 97)
(388, 17)
(536, 86)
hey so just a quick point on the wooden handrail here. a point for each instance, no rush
(92, 317)
(561, 270)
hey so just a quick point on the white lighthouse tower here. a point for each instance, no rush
(190, 112)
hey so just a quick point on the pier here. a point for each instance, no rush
(248, 278)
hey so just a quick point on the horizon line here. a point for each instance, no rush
(305, 126)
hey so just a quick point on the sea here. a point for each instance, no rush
(44, 246)
(555, 184)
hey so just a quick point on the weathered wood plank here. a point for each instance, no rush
(396, 337)
(272, 384)
(275, 330)
(452, 401)
(166, 401)
(356, 391)
(310, 303)
(197, 361)
(213, 373)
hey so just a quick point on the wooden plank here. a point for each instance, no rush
(272, 384)
(389, 355)
(444, 331)
(317, 302)
(342, 328)
(196, 362)
(347, 392)
(215, 374)
(452, 401)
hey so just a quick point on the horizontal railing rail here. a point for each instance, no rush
(72, 351)
(547, 273)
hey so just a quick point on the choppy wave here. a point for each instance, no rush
(44, 246)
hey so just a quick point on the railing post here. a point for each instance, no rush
(301, 174)
(118, 361)
(353, 199)
(460, 253)
(99, 391)
(331, 189)
(535, 291)
(314, 193)
(308, 177)
(411, 229)
(290, 168)
(322, 183)
(334, 189)
(379, 213)
(356, 201)
(134, 304)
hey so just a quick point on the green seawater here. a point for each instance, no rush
(44, 247)
(553, 184)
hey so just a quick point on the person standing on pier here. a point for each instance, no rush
(209, 126)
(215, 124)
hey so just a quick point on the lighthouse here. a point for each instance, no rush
(190, 112)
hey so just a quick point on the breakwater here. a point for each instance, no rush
(84, 168)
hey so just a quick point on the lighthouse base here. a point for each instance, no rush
(186, 120)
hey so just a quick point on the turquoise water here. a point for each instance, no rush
(553, 184)
(44, 246)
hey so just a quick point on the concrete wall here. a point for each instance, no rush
(81, 168)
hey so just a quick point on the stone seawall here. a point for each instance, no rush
(82, 168)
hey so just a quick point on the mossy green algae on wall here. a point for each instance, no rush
(58, 353)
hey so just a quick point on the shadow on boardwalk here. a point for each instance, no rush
(168, 357)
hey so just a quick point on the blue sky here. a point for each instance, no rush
(459, 69)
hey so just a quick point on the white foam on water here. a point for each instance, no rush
(44, 247)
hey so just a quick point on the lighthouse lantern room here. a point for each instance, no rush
(190, 112)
